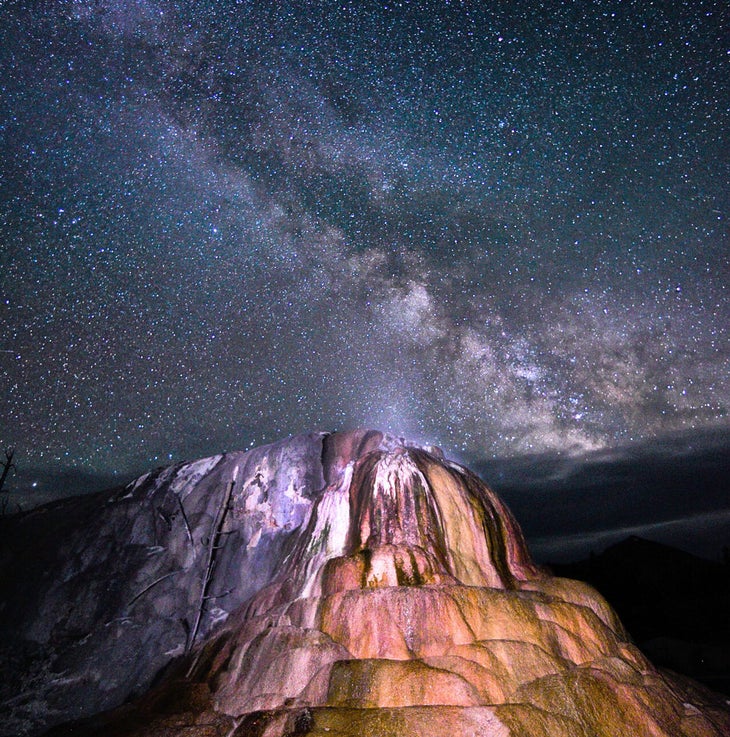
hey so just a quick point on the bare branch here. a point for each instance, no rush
(187, 524)
(154, 583)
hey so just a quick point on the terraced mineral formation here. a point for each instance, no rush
(340, 585)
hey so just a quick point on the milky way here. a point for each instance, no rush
(500, 229)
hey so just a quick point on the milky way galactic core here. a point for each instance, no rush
(499, 227)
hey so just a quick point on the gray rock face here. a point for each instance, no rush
(99, 593)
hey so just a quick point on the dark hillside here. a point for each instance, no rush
(675, 605)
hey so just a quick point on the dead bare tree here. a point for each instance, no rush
(7, 465)
(213, 545)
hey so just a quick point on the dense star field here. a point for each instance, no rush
(500, 227)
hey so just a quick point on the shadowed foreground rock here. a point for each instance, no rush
(338, 585)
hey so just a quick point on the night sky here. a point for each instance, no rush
(499, 227)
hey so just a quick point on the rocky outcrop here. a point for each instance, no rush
(344, 584)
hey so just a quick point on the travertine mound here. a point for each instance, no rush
(345, 584)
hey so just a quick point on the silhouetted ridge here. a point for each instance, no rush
(675, 605)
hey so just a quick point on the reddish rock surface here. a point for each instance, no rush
(349, 585)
